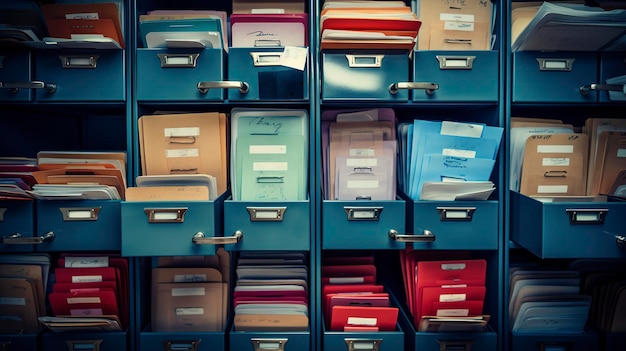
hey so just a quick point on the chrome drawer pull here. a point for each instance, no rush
(587, 215)
(17, 239)
(585, 89)
(79, 61)
(358, 344)
(204, 87)
(181, 345)
(456, 213)
(266, 214)
(455, 62)
(200, 239)
(555, 64)
(262, 344)
(15, 87)
(429, 87)
(426, 237)
(455, 345)
(363, 213)
(83, 345)
(365, 61)
(178, 60)
(80, 214)
(266, 58)
(165, 215)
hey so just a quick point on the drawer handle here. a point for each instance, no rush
(266, 214)
(204, 87)
(620, 241)
(165, 215)
(429, 87)
(266, 58)
(200, 239)
(261, 344)
(455, 345)
(79, 214)
(363, 213)
(587, 215)
(83, 345)
(358, 344)
(365, 61)
(17, 239)
(79, 61)
(14, 87)
(267, 43)
(585, 89)
(455, 62)
(178, 60)
(456, 213)
(181, 345)
(555, 64)
(426, 237)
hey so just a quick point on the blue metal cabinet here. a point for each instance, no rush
(175, 74)
(162, 341)
(268, 225)
(79, 225)
(371, 76)
(81, 75)
(362, 224)
(588, 228)
(16, 76)
(17, 222)
(271, 341)
(612, 65)
(104, 341)
(470, 76)
(262, 77)
(375, 341)
(554, 77)
(558, 342)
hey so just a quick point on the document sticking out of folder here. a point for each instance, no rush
(182, 31)
(269, 30)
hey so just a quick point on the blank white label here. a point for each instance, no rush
(188, 292)
(370, 322)
(363, 214)
(556, 161)
(453, 313)
(555, 149)
(456, 214)
(459, 153)
(452, 297)
(182, 132)
(87, 279)
(362, 153)
(273, 214)
(269, 166)
(363, 184)
(80, 214)
(555, 64)
(267, 149)
(556, 189)
(177, 60)
(461, 129)
(172, 153)
(349, 280)
(189, 311)
(165, 216)
(453, 266)
(76, 300)
(361, 162)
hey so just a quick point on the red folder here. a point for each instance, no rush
(86, 275)
(84, 304)
(385, 318)
(350, 288)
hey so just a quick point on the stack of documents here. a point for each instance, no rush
(353, 301)
(359, 154)
(466, 25)
(23, 283)
(444, 160)
(93, 286)
(546, 301)
(190, 294)
(181, 187)
(269, 29)
(271, 292)
(88, 175)
(269, 154)
(567, 27)
(16, 177)
(183, 29)
(182, 150)
(372, 24)
(607, 156)
(444, 294)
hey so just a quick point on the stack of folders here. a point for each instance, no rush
(359, 154)
(90, 292)
(269, 154)
(190, 293)
(352, 299)
(605, 282)
(546, 301)
(368, 25)
(444, 160)
(567, 27)
(607, 156)
(23, 283)
(16, 177)
(184, 29)
(445, 294)
(466, 25)
(181, 150)
(65, 175)
(271, 292)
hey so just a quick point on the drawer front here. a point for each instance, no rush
(612, 65)
(613, 341)
(362, 224)
(19, 342)
(364, 76)
(149, 341)
(173, 75)
(266, 341)
(375, 341)
(15, 75)
(561, 342)
(268, 225)
(169, 228)
(17, 221)
(459, 76)
(266, 79)
(465, 225)
(588, 228)
(81, 76)
(79, 225)
(454, 341)
(553, 77)
(110, 341)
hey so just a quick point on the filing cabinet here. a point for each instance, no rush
(17, 222)
(16, 75)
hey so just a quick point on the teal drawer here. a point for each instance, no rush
(612, 65)
(106, 341)
(209, 341)
(84, 75)
(15, 75)
(268, 225)
(464, 225)
(588, 228)
(271, 341)
(79, 225)
(173, 228)
(459, 75)
(553, 76)
(358, 75)
(174, 74)
(560, 342)
(362, 224)
(17, 221)
(19, 342)
(261, 72)
(375, 341)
